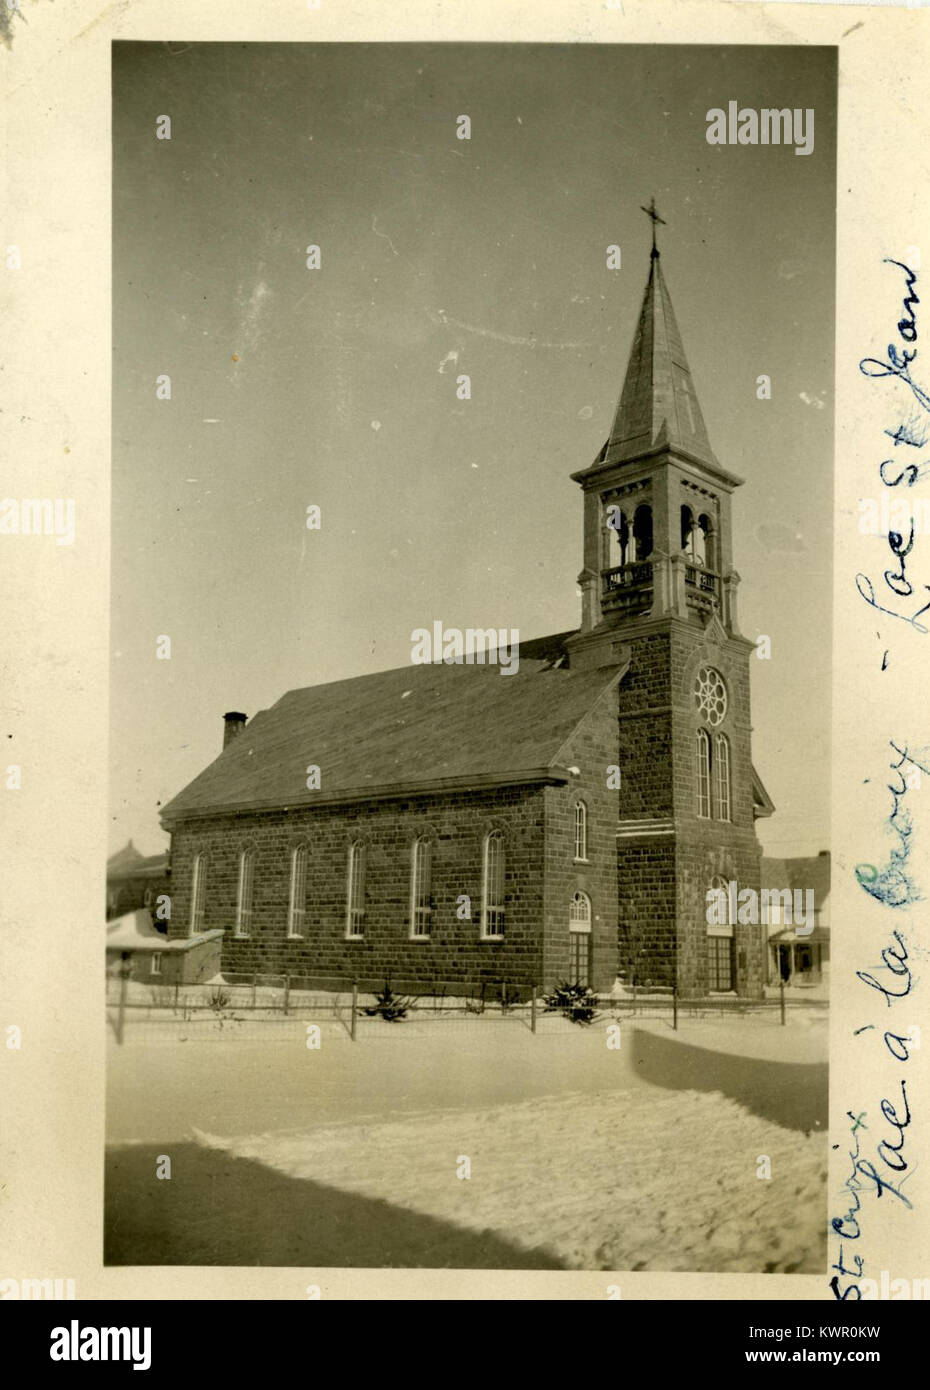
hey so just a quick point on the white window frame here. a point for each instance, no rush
(580, 923)
(721, 771)
(722, 931)
(579, 928)
(581, 832)
(421, 877)
(713, 936)
(155, 967)
(704, 783)
(355, 891)
(198, 894)
(297, 898)
(244, 891)
(720, 885)
(486, 905)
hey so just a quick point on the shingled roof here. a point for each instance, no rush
(417, 728)
(803, 871)
(658, 405)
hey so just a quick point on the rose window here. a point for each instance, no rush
(710, 695)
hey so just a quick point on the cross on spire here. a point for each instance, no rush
(650, 211)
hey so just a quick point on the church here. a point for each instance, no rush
(562, 824)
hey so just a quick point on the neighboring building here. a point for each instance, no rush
(141, 950)
(562, 822)
(134, 880)
(794, 959)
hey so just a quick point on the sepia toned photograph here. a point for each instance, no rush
(468, 890)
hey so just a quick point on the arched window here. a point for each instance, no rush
(421, 876)
(708, 541)
(581, 830)
(718, 902)
(687, 523)
(244, 892)
(720, 945)
(722, 775)
(492, 887)
(619, 528)
(579, 912)
(198, 893)
(579, 939)
(703, 774)
(642, 531)
(355, 892)
(694, 537)
(297, 905)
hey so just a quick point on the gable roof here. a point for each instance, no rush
(151, 866)
(803, 871)
(124, 858)
(762, 803)
(416, 728)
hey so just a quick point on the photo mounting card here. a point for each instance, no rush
(465, 658)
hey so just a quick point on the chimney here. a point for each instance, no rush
(233, 724)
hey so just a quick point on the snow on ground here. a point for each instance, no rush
(581, 1157)
(601, 1181)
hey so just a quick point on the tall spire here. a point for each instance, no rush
(658, 405)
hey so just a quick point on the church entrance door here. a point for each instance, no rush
(579, 939)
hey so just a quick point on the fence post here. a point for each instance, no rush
(781, 1000)
(533, 1011)
(354, 1009)
(254, 985)
(124, 971)
(177, 991)
(675, 1004)
(287, 991)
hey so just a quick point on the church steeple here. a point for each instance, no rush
(658, 541)
(658, 405)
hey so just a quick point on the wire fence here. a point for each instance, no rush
(263, 1007)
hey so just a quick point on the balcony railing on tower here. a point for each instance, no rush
(702, 587)
(627, 588)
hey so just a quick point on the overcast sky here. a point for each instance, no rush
(337, 387)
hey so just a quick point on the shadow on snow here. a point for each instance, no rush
(220, 1210)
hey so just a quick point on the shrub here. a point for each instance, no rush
(389, 1006)
(577, 1002)
(217, 999)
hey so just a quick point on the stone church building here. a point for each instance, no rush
(561, 823)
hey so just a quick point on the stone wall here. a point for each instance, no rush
(457, 822)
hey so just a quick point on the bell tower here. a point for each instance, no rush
(659, 589)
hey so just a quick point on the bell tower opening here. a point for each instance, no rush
(657, 501)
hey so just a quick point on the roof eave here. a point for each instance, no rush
(552, 775)
(722, 475)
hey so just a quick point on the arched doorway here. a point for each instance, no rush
(721, 954)
(579, 938)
